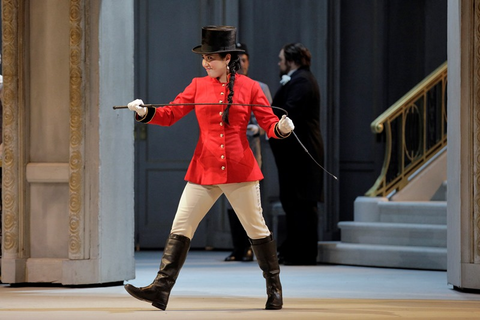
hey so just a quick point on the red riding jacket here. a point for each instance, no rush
(222, 154)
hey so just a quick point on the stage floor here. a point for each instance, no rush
(209, 288)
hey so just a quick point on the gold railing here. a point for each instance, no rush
(415, 131)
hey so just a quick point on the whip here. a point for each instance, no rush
(234, 104)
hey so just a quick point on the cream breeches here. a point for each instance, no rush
(197, 199)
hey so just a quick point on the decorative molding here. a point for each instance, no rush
(10, 190)
(76, 208)
(476, 133)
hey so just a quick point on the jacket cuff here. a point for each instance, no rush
(279, 134)
(147, 117)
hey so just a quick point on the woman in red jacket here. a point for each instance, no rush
(223, 162)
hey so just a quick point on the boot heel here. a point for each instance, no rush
(159, 305)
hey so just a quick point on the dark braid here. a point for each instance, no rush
(234, 65)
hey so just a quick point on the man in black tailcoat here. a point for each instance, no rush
(300, 178)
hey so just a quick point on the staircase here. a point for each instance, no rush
(402, 234)
(401, 223)
(408, 230)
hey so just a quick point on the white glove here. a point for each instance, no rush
(135, 106)
(285, 125)
(252, 129)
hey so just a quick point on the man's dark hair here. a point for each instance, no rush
(297, 53)
(242, 46)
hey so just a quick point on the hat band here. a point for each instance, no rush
(207, 48)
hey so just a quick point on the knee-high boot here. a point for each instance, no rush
(158, 291)
(266, 252)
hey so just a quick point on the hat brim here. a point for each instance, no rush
(198, 49)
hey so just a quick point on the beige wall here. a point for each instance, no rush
(48, 113)
(49, 61)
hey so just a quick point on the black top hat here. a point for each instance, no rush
(216, 39)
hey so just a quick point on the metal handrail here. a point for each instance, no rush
(415, 131)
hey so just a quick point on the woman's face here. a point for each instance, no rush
(216, 66)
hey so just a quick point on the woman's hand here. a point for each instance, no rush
(285, 125)
(135, 105)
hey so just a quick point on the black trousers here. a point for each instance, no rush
(301, 243)
(239, 236)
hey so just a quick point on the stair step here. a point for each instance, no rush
(398, 234)
(422, 212)
(383, 255)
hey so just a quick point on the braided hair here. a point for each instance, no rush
(234, 65)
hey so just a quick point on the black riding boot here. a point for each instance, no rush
(266, 252)
(158, 291)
